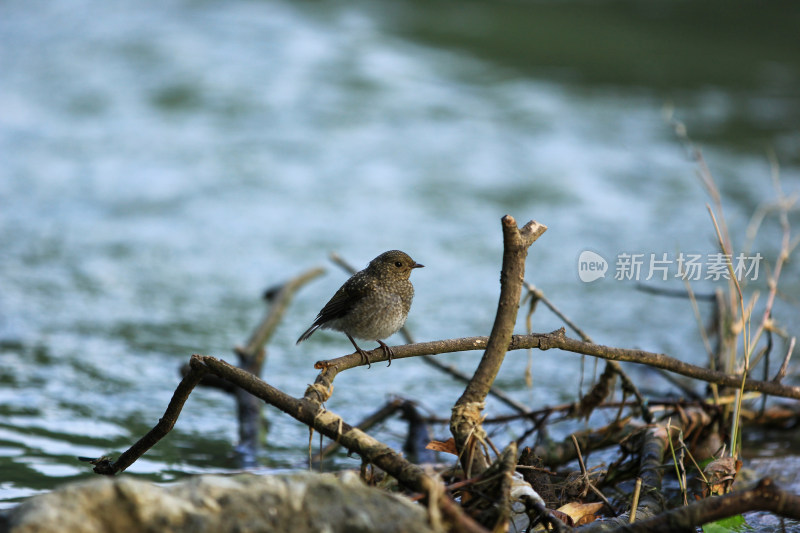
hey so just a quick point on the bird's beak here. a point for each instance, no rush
(417, 265)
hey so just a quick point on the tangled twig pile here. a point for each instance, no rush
(493, 486)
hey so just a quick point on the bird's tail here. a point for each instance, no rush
(308, 333)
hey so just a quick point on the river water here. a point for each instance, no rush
(165, 162)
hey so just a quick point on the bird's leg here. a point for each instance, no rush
(361, 352)
(387, 351)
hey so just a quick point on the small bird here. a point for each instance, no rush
(373, 304)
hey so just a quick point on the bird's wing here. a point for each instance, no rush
(343, 301)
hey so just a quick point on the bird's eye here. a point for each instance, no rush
(398, 264)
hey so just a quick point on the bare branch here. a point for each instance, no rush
(782, 371)
(515, 249)
(764, 497)
(465, 421)
(557, 339)
(253, 350)
(165, 424)
(309, 411)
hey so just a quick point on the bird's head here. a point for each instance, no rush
(393, 264)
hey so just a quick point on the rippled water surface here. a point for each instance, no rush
(164, 162)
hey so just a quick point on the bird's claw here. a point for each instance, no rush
(387, 351)
(364, 357)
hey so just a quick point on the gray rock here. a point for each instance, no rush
(242, 503)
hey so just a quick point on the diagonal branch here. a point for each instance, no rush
(104, 466)
(307, 410)
(310, 411)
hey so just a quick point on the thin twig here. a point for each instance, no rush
(785, 366)
(539, 295)
(674, 293)
(598, 392)
(584, 473)
(635, 503)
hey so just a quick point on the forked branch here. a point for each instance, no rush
(465, 421)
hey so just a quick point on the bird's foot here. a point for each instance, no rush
(387, 351)
(362, 353)
(364, 357)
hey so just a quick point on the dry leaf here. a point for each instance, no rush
(448, 446)
(720, 474)
(564, 517)
(581, 513)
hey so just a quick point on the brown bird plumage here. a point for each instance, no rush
(373, 304)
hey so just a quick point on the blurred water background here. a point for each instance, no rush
(164, 162)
